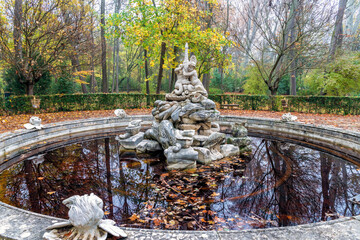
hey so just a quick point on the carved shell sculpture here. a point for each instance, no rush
(120, 113)
(85, 221)
(34, 122)
(287, 117)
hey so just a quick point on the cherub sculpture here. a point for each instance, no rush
(198, 87)
(188, 86)
(182, 81)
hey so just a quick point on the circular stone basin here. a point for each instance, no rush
(279, 184)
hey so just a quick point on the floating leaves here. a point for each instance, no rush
(189, 196)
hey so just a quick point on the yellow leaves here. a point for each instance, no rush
(51, 193)
(134, 217)
(215, 194)
(152, 63)
(82, 73)
(77, 80)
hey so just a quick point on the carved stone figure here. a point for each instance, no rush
(34, 122)
(198, 87)
(120, 113)
(287, 117)
(85, 221)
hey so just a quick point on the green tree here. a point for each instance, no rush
(340, 78)
(255, 84)
(40, 30)
(163, 28)
(13, 83)
(64, 84)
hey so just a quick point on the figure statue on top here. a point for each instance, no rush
(188, 85)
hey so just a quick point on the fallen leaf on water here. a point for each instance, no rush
(134, 217)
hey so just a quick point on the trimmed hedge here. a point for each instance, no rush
(79, 102)
(306, 104)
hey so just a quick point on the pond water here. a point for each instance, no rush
(279, 184)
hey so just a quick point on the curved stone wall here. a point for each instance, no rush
(346, 142)
(20, 224)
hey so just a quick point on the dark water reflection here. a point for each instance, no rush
(281, 184)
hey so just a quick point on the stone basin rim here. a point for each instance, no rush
(36, 223)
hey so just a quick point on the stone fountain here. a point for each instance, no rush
(184, 124)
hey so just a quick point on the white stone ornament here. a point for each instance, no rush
(34, 122)
(287, 117)
(85, 221)
(120, 113)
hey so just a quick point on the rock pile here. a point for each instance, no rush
(184, 125)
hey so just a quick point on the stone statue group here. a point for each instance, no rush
(188, 85)
(184, 125)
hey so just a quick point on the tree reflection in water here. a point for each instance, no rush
(281, 184)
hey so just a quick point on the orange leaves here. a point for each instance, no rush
(9, 123)
(134, 217)
(157, 222)
(164, 175)
(13, 122)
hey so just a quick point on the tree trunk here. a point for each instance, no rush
(104, 86)
(92, 56)
(337, 38)
(292, 54)
(206, 81)
(116, 52)
(325, 185)
(108, 178)
(161, 67)
(31, 186)
(29, 88)
(77, 68)
(173, 75)
(221, 71)
(117, 59)
(114, 65)
(17, 30)
(146, 73)
(92, 78)
(172, 79)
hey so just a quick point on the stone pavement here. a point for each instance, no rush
(25, 225)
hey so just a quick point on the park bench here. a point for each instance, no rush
(229, 106)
